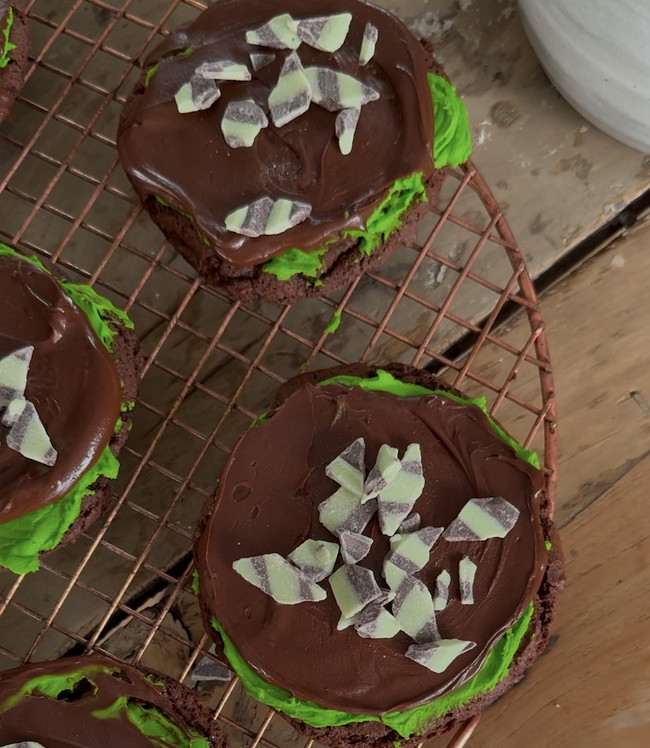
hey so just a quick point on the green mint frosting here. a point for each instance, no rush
(452, 146)
(151, 722)
(413, 721)
(334, 323)
(22, 539)
(453, 138)
(7, 44)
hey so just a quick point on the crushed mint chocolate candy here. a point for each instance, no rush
(375, 622)
(409, 554)
(278, 578)
(278, 33)
(441, 597)
(482, 519)
(398, 498)
(196, 95)
(410, 524)
(369, 44)
(223, 70)
(386, 468)
(349, 468)
(413, 609)
(353, 587)
(334, 90)
(437, 656)
(344, 511)
(354, 546)
(27, 434)
(326, 33)
(315, 558)
(292, 94)
(14, 369)
(345, 128)
(466, 575)
(242, 122)
(267, 217)
(260, 60)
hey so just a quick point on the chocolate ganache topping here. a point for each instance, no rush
(72, 382)
(184, 159)
(85, 715)
(261, 510)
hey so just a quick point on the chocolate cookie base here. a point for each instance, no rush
(175, 700)
(12, 77)
(129, 361)
(342, 263)
(376, 734)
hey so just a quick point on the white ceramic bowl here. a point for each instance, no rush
(597, 53)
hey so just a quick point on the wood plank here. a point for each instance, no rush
(591, 688)
(598, 323)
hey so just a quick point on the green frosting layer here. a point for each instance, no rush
(151, 722)
(413, 721)
(22, 539)
(453, 146)
(7, 44)
(453, 141)
(334, 323)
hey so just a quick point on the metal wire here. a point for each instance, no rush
(213, 364)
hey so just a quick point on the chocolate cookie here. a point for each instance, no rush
(283, 156)
(14, 48)
(91, 702)
(463, 538)
(69, 370)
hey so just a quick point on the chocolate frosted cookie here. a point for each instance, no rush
(14, 48)
(397, 575)
(69, 370)
(92, 702)
(284, 149)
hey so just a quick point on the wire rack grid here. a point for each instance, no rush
(124, 589)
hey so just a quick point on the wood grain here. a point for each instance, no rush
(598, 323)
(592, 688)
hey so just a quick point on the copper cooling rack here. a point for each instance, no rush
(124, 589)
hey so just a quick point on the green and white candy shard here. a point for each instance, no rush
(278, 33)
(466, 576)
(315, 558)
(413, 609)
(335, 91)
(441, 596)
(345, 128)
(196, 95)
(354, 546)
(385, 597)
(278, 578)
(14, 368)
(292, 94)
(344, 511)
(410, 524)
(398, 498)
(349, 468)
(353, 587)
(27, 435)
(409, 554)
(223, 70)
(482, 519)
(242, 122)
(327, 33)
(386, 468)
(438, 656)
(267, 217)
(260, 60)
(25, 744)
(375, 622)
(345, 623)
(369, 44)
